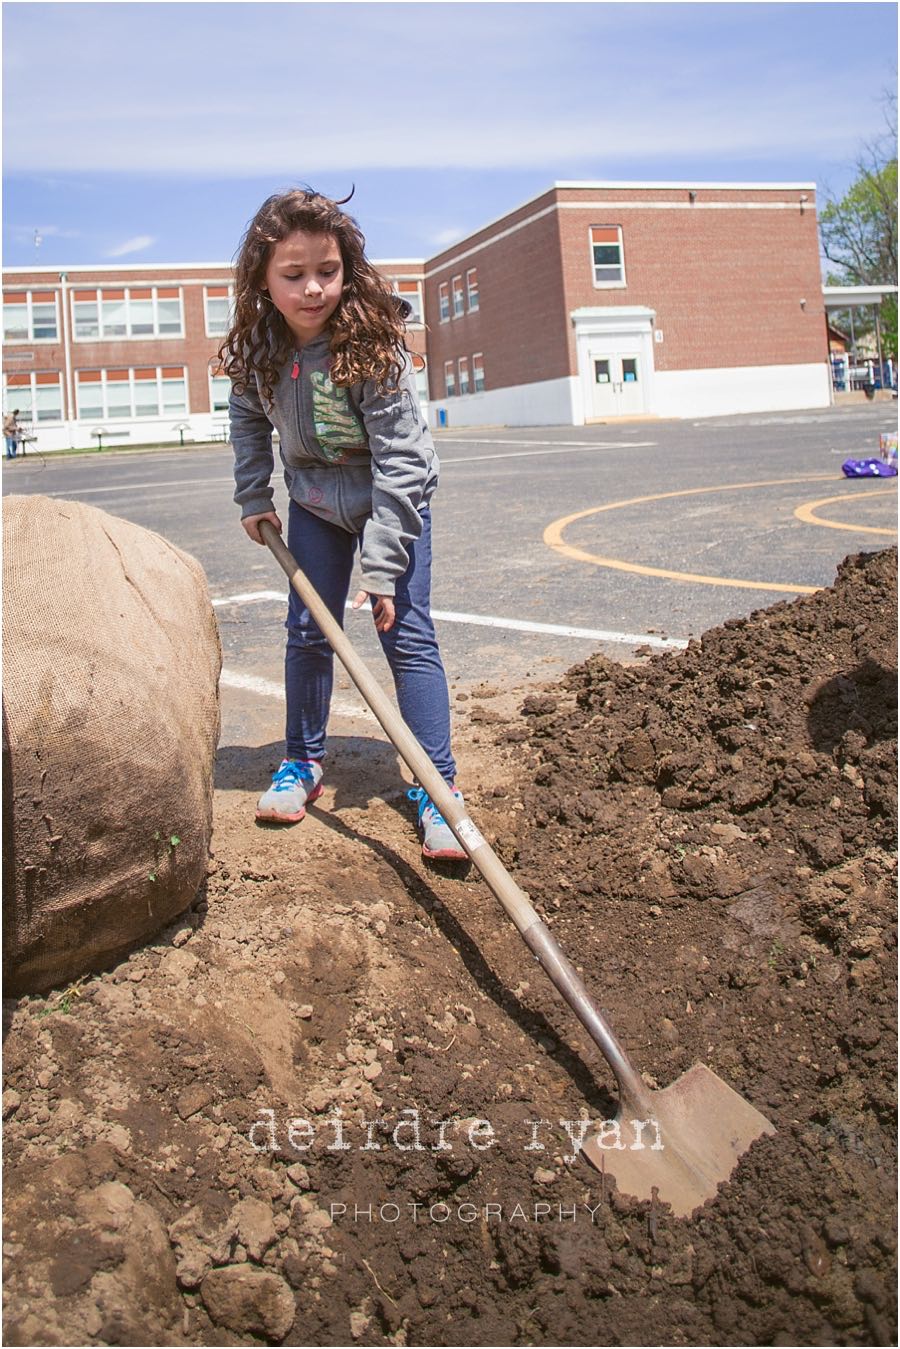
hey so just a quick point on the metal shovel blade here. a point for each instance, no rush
(682, 1141)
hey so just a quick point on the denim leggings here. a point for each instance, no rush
(325, 552)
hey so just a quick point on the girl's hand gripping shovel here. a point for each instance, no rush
(682, 1141)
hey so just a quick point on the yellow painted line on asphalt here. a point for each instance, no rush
(807, 514)
(553, 536)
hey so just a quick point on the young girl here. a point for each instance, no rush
(316, 351)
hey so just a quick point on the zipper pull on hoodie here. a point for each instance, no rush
(296, 367)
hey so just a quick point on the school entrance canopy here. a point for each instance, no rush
(855, 297)
(858, 297)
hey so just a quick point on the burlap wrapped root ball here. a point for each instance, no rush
(111, 661)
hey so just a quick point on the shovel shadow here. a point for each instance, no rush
(531, 1022)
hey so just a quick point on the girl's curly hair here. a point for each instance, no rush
(366, 329)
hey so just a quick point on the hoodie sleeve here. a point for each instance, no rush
(404, 472)
(251, 437)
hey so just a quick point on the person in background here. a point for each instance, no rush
(11, 433)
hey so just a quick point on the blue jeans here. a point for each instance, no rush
(11, 444)
(325, 552)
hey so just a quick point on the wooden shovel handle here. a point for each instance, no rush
(536, 934)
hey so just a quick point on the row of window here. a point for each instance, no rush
(456, 375)
(150, 391)
(102, 313)
(460, 295)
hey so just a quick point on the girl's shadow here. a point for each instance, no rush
(357, 768)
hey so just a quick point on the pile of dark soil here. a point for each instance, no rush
(711, 838)
(714, 836)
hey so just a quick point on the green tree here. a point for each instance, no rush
(859, 231)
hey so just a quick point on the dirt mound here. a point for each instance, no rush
(710, 837)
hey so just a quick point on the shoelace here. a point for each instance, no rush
(425, 803)
(290, 775)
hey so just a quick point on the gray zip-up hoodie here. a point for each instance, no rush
(360, 459)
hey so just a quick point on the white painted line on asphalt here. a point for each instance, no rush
(252, 597)
(560, 630)
(531, 454)
(267, 688)
(511, 624)
(499, 440)
(142, 486)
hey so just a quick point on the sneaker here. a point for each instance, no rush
(297, 783)
(438, 839)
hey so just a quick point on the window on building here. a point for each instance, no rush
(30, 316)
(48, 406)
(472, 289)
(218, 301)
(174, 391)
(15, 319)
(457, 285)
(411, 292)
(146, 393)
(138, 311)
(607, 258)
(118, 394)
(154, 391)
(140, 305)
(37, 395)
(449, 378)
(478, 371)
(444, 301)
(464, 374)
(85, 315)
(219, 392)
(169, 322)
(89, 395)
(113, 313)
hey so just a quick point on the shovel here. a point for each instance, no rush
(679, 1143)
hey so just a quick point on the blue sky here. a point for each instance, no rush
(151, 132)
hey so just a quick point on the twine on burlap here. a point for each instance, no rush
(111, 660)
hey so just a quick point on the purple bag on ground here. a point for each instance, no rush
(868, 468)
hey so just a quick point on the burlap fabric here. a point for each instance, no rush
(111, 661)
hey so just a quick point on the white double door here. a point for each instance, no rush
(614, 347)
(617, 385)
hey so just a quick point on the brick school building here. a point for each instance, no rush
(603, 300)
(592, 302)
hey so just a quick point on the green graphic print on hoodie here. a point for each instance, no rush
(337, 428)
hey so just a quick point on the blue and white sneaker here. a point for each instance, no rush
(438, 839)
(296, 785)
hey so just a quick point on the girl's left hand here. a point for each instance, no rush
(382, 608)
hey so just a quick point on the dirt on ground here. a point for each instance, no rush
(335, 1103)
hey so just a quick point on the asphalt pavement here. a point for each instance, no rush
(550, 542)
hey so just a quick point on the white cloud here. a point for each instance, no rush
(559, 85)
(26, 233)
(135, 245)
(447, 236)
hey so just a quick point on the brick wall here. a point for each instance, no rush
(520, 324)
(194, 351)
(726, 284)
